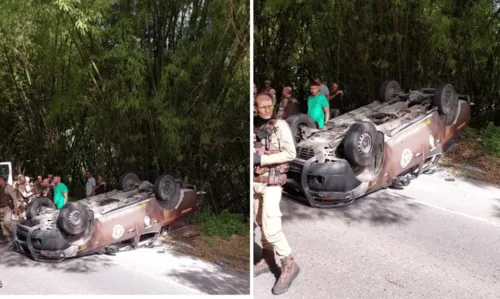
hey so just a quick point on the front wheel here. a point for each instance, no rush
(297, 122)
(167, 191)
(74, 219)
(359, 144)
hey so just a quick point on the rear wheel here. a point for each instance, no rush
(359, 144)
(446, 100)
(297, 122)
(74, 219)
(388, 91)
(167, 191)
(128, 181)
(35, 206)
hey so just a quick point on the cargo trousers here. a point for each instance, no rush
(267, 214)
(6, 221)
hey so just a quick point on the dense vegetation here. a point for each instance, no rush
(419, 43)
(145, 86)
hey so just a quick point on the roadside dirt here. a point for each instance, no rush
(467, 157)
(233, 252)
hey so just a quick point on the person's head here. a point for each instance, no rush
(263, 106)
(99, 179)
(335, 86)
(88, 174)
(50, 177)
(314, 88)
(255, 89)
(267, 84)
(317, 81)
(3, 181)
(21, 179)
(57, 179)
(45, 183)
(287, 91)
(39, 178)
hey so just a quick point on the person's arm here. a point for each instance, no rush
(326, 109)
(22, 191)
(65, 193)
(13, 195)
(287, 146)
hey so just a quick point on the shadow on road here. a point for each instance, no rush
(214, 282)
(10, 258)
(380, 208)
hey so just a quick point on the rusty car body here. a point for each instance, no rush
(386, 143)
(130, 216)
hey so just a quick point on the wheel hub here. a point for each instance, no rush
(365, 144)
(75, 218)
(166, 187)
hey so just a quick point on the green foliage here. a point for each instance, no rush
(225, 224)
(151, 87)
(491, 140)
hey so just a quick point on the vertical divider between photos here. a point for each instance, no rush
(251, 144)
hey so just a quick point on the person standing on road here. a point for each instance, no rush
(288, 104)
(317, 106)
(9, 206)
(60, 192)
(273, 149)
(90, 185)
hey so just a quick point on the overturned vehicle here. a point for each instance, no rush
(128, 217)
(386, 143)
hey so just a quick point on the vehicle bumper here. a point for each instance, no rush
(42, 245)
(331, 184)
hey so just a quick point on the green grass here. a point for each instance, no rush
(489, 136)
(224, 225)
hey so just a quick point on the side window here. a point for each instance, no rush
(4, 171)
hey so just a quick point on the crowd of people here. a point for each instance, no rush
(322, 104)
(15, 198)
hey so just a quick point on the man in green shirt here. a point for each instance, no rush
(317, 106)
(60, 192)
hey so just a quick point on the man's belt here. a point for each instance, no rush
(261, 179)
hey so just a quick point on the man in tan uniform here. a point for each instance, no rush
(273, 149)
(288, 104)
(270, 91)
(8, 206)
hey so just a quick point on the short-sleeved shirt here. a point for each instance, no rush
(59, 190)
(315, 105)
(89, 185)
(324, 90)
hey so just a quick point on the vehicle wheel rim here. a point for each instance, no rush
(447, 99)
(165, 188)
(391, 92)
(75, 218)
(365, 144)
(129, 183)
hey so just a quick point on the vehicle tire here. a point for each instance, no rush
(128, 181)
(359, 144)
(167, 191)
(296, 121)
(74, 219)
(446, 100)
(33, 208)
(388, 91)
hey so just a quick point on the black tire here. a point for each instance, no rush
(74, 219)
(388, 91)
(446, 100)
(167, 191)
(359, 144)
(128, 181)
(296, 121)
(33, 208)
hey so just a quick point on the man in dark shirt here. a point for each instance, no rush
(335, 99)
(288, 104)
(101, 186)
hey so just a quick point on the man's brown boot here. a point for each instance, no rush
(266, 264)
(289, 271)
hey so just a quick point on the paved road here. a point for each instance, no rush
(435, 239)
(144, 271)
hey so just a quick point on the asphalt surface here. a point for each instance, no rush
(434, 239)
(152, 271)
